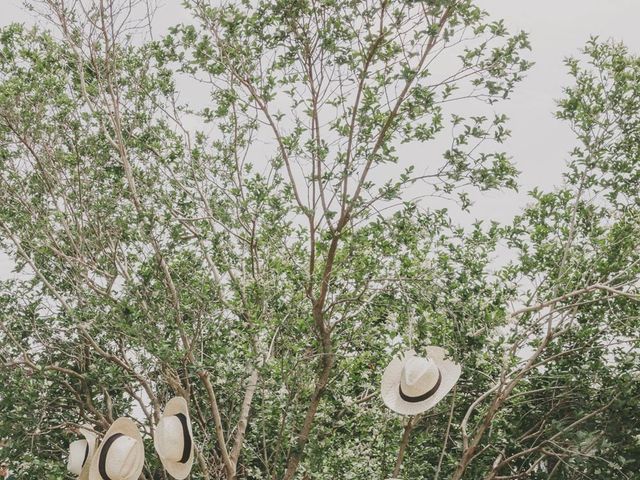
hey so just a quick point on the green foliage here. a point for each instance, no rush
(160, 243)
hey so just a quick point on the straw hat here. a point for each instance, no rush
(81, 452)
(412, 384)
(121, 453)
(173, 438)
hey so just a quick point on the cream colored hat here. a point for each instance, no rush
(121, 453)
(173, 438)
(412, 384)
(81, 452)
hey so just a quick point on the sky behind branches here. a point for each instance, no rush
(539, 143)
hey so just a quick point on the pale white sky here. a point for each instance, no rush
(539, 143)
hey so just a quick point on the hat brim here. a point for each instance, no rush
(92, 440)
(84, 473)
(390, 388)
(176, 469)
(127, 427)
(91, 437)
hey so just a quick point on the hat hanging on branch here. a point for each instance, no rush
(412, 384)
(121, 453)
(173, 439)
(81, 452)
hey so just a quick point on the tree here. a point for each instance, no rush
(261, 254)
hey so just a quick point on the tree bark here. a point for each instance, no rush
(408, 428)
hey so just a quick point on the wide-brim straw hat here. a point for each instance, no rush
(173, 439)
(81, 452)
(120, 456)
(92, 441)
(426, 380)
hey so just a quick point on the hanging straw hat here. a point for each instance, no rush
(81, 452)
(121, 453)
(173, 438)
(412, 384)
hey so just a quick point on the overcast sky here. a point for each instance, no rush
(539, 143)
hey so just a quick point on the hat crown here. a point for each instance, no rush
(77, 454)
(123, 458)
(419, 375)
(170, 438)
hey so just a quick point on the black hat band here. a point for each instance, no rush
(424, 396)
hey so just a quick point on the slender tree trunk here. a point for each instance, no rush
(328, 361)
(408, 428)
